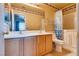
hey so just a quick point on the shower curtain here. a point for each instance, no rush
(58, 24)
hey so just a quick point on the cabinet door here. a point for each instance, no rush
(49, 45)
(41, 45)
(12, 47)
(29, 46)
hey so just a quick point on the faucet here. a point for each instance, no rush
(6, 32)
(20, 32)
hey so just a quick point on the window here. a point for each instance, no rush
(19, 22)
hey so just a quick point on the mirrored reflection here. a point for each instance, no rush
(19, 22)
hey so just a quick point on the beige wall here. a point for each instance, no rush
(49, 17)
(33, 21)
(69, 20)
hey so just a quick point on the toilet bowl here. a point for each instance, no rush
(58, 44)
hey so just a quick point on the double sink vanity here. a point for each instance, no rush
(28, 43)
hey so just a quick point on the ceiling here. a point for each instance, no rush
(60, 5)
(55, 5)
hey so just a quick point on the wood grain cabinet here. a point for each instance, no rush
(12, 47)
(44, 44)
(29, 46)
(40, 45)
(49, 46)
(21, 47)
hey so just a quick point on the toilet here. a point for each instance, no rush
(58, 44)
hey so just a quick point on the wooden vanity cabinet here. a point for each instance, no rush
(29, 46)
(21, 47)
(44, 44)
(11, 47)
(40, 45)
(49, 45)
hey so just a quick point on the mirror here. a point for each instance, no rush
(21, 21)
(7, 21)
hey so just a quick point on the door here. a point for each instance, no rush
(12, 47)
(49, 45)
(2, 53)
(41, 45)
(29, 46)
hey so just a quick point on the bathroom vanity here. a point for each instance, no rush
(20, 41)
(28, 43)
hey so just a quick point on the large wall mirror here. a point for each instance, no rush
(18, 20)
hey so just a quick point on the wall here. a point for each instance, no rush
(33, 21)
(70, 39)
(69, 26)
(68, 17)
(49, 17)
(68, 21)
(2, 44)
(69, 13)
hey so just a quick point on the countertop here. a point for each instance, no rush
(22, 34)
